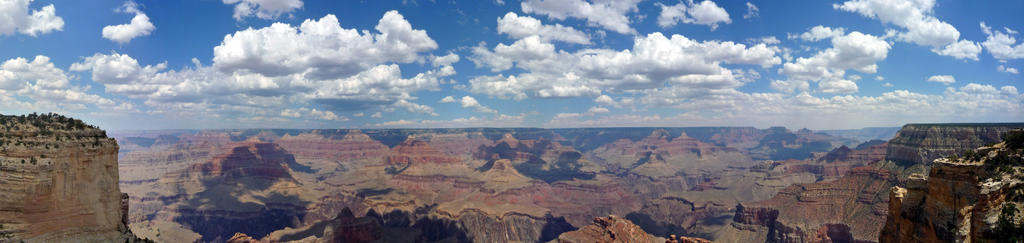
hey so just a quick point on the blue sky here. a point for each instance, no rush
(536, 63)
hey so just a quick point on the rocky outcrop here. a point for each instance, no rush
(608, 229)
(852, 207)
(923, 143)
(616, 229)
(59, 182)
(974, 198)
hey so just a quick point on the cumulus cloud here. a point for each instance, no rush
(321, 48)
(1001, 43)
(856, 51)
(124, 33)
(253, 77)
(519, 27)
(963, 49)
(415, 108)
(44, 86)
(15, 18)
(610, 15)
(944, 79)
(735, 108)
(264, 9)
(752, 11)
(312, 113)
(470, 102)
(703, 13)
(921, 27)
(1010, 70)
(653, 61)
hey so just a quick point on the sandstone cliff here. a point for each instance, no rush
(975, 197)
(923, 143)
(59, 182)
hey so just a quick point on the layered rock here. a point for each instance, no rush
(414, 152)
(660, 155)
(59, 182)
(353, 146)
(923, 143)
(616, 229)
(852, 207)
(972, 199)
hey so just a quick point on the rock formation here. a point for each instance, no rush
(923, 143)
(59, 182)
(616, 229)
(975, 197)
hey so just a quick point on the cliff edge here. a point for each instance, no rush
(59, 182)
(973, 197)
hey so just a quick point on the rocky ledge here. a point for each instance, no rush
(974, 197)
(59, 182)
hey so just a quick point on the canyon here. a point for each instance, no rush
(723, 184)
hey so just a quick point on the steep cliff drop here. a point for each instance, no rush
(59, 182)
(977, 196)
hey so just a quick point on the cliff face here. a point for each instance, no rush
(971, 199)
(59, 181)
(923, 143)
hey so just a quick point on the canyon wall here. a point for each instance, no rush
(59, 182)
(975, 197)
(923, 143)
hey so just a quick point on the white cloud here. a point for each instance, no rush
(855, 50)
(447, 99)
(729, 107)
(610, 15)
(963, 49)
(124, 33)
(789, 86)
(43, 86)
(415, 108)
(264, 9)
(752, 11)
(597, 110)
(15, 17)
(653, 61)
(819, 32)
(944, 79)
(887, 84)
(520, 27)
(1010, 70)
(703, 13)
(921, 27)
(243, 82)
(312, 113)
(470, 102)
(376, 115)
(321, 49)
(1001, 43)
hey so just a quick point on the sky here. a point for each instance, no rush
(215, 64)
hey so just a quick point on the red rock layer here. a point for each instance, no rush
(354, 145)
(413, 152)
(258, 159)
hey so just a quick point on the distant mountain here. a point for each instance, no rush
(865, 134)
